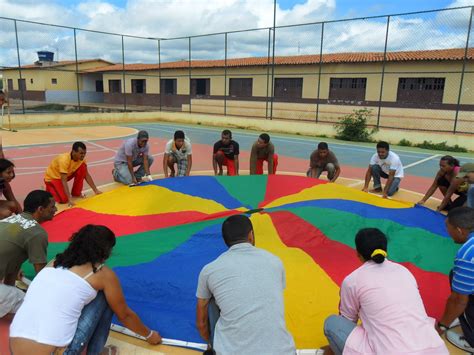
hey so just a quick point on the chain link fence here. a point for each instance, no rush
(411, 71)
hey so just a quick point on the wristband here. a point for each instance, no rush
(149, 335)
(442, 327)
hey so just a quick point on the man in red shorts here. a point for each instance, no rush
(263, 150)
(65, 167)
(226, 152)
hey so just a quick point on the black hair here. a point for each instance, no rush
(227, 132)
(236, 229)
(36, 199)
(452, 161)
(323, 146)
(178, 135)
(383, 145)
(5, 164)
(462, 217)
(265, 137)
(90, 244)
(78, 145)
(367, 240)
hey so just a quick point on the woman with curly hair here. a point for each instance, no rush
(10, 205)
(70, 305)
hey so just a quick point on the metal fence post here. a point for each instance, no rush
(159, 73)
(21, 88)
(123, 76)
(189, 72)
(319, 71)
(268, 70)
(77, 73)
(383, 71)
(463, 71)
(225, 74)
(273, 59)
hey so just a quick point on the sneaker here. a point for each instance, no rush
(455, 323)
(459, 341)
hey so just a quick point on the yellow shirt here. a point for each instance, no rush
(62, 164)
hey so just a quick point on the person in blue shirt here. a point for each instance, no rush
(460, 304)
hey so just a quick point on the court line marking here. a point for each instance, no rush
(93, 164)
(44, 155)
(421, 161)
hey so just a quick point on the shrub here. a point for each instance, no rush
(441, 146)
(353, 127)
(405, 143)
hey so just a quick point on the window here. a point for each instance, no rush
(420, 91)
(22, 84)
(99, 86)
(10, 84)
(240, 87)
(115, 86)
(138, 86)
(347, 89)
(54, 81)
(291, 88)
(168, 86)
(200, 87)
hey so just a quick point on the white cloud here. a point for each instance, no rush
(174, 18)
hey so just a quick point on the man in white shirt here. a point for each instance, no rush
(178, 151)
(385, 164)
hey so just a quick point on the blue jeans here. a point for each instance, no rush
(470, 196)
(122, 174)
(337, 330)
(329, 167)
(93, 327)
(377, 173)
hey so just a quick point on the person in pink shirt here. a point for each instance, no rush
(384, 296)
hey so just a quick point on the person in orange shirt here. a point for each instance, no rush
(65, 167)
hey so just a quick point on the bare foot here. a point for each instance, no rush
(220, 172)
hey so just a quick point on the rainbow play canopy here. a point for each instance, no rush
(169, 229)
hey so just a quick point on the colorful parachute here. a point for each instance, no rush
(169, 229)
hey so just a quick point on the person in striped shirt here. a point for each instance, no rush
(460, 304)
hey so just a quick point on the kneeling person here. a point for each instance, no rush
(65, 167)
(239, 310)
(133, 152)
(226, 152)
(178, 151)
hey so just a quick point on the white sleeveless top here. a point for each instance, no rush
(52, 307)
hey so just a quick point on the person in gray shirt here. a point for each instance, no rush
(240, 306)
(133, 152)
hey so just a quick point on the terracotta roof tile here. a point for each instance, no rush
(355, 57)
